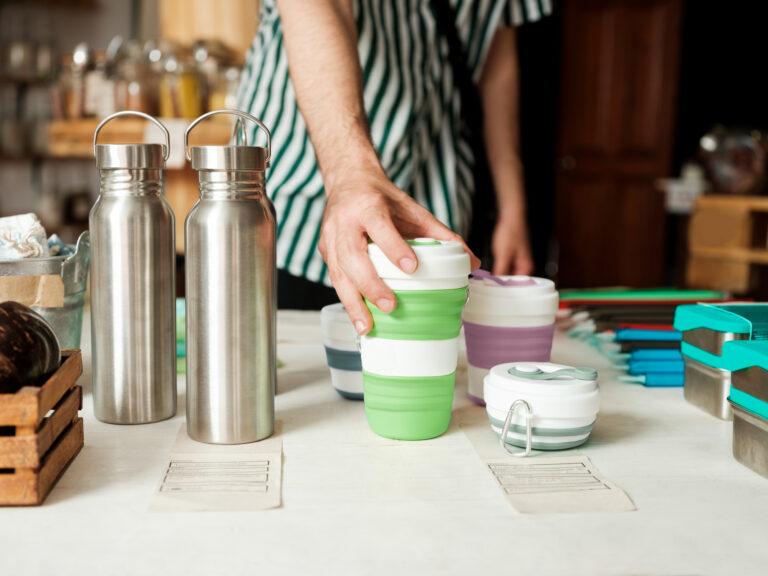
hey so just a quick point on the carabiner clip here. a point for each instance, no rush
(528, 428)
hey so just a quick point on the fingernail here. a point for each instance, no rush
(408, 265)
(360, 327)
(385, 305)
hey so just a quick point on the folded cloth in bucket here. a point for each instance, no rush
(22, 236)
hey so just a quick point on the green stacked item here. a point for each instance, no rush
(181, 334)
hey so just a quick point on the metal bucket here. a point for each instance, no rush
(67, 321)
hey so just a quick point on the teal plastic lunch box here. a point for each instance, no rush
(749, 399)
(706, 329)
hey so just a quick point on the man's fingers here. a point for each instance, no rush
(502, 266)
(356, 309)
(523, 265)
(382, 231)
(358, 268)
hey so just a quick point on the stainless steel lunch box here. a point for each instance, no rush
(708, 388)
(750, 440)
(711, 340)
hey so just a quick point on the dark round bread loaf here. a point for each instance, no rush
(29, 349)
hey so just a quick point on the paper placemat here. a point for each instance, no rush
(544, 482)
(223, 478)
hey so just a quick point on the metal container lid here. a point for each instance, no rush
(130, 156)
(239, 156)
(253, 158)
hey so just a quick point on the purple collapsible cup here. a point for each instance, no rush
(506, 319)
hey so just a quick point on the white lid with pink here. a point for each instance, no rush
(510, 300)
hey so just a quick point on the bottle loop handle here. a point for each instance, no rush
(155, 121)
(239, 113)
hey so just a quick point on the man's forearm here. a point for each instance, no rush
(499, 93)
(330, 95)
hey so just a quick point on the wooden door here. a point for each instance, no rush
(617, 107)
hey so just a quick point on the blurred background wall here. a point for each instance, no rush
(630, 110)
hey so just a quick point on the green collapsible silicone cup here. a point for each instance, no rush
(415, 407)
(420, 315)
(409, 357)
(408, 408)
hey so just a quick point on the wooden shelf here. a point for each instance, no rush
(63, 4)
(736, 255)
(24, 82)
(74, 138)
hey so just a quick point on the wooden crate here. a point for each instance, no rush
(40, 434)
(727, 240)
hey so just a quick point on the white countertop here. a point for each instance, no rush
(356, 504)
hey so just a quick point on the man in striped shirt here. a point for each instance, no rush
(365, 137)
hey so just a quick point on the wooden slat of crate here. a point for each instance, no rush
(733, 202)
(726, 275)
(28, 406)
(715, 226)
(28, 486)
(721, 243)
(736, 255)
(26, 451)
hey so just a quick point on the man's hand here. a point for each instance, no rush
(499, 93)
(365, 204)
(510, 246)
(361, 201)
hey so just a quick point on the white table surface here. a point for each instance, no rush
(356, 504)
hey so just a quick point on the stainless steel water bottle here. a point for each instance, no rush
(133, 257)
(231, 292)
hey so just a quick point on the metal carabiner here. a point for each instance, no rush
(528, 428)
(166, 148)
(239, 113)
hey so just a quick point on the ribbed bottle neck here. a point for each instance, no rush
(131, 182)
(231, 184)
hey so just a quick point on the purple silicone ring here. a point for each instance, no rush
(488, 346)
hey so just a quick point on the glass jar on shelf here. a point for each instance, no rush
(211, 57)
(223, 94)
(12, 142)
(179, 89)
(72, 81)
(134, 85)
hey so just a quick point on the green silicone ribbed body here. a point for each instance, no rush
(408, 408)
(421, 315)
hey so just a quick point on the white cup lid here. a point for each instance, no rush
(442, 266)
(511, 286)
(512, 377)
(336, 323)
(521, 301)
